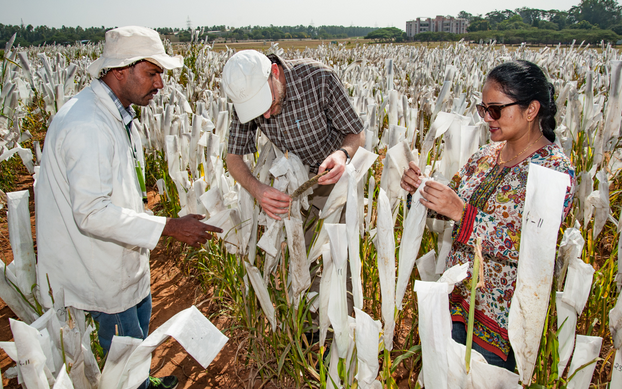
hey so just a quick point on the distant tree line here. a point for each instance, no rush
(29, 35)
(590, 21)
(589, 14)
(389, 34)
(276, 33)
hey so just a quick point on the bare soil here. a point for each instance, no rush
(173, 289)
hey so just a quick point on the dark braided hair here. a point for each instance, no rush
(525, 82)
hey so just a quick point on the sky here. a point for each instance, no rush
(239, 13)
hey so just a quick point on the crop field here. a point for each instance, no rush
(416, 102)
(288, 44)
(349, 43)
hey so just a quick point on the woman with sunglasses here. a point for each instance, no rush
(487, 196)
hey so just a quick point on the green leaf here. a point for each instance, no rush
(411, 352)
(282, 359)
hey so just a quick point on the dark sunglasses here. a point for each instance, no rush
(493, 110)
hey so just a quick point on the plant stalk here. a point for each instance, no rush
(474, 279)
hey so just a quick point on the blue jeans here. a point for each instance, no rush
(133, 322)
(458, 333)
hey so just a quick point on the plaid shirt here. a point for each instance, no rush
(127, 114)
(316, 116)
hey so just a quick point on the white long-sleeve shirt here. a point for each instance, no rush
(93, 236)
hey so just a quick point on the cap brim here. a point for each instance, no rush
(255, 106)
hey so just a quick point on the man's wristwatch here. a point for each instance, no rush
(347, 155)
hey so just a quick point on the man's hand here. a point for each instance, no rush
(442, 199)
(189, 230)
(273, 201)
(411, 178)
(336, 163)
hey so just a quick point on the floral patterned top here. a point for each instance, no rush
(495, 197)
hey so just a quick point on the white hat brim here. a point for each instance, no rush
(255, 106)
(162, 60)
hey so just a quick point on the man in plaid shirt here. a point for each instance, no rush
(301, 106)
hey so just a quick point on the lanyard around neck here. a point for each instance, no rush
(138, 168)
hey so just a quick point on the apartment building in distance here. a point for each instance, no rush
(438, 24)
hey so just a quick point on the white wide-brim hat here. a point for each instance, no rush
(126, 45)
(245, 82)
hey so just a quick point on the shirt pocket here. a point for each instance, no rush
(310, 128)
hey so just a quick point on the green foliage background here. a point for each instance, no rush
(34, 36)
(591, 21)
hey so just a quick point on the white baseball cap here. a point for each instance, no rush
(126, 45)
(245, 81)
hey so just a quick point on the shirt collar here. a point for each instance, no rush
(127, 114)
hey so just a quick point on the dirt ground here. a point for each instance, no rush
(173, 290)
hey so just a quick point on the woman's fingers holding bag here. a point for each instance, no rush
(411, 179)
(443, 200)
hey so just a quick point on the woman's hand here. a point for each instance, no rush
(411, 179)
(442, 199)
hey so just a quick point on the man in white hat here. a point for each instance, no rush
(302, 107)
(93, 232)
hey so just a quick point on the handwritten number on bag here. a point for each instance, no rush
(538, 223)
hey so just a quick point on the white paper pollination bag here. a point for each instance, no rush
(542, 215)
(385, 247)
(132, 357)
(337, 304)
(414, 226)
(586, 350)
